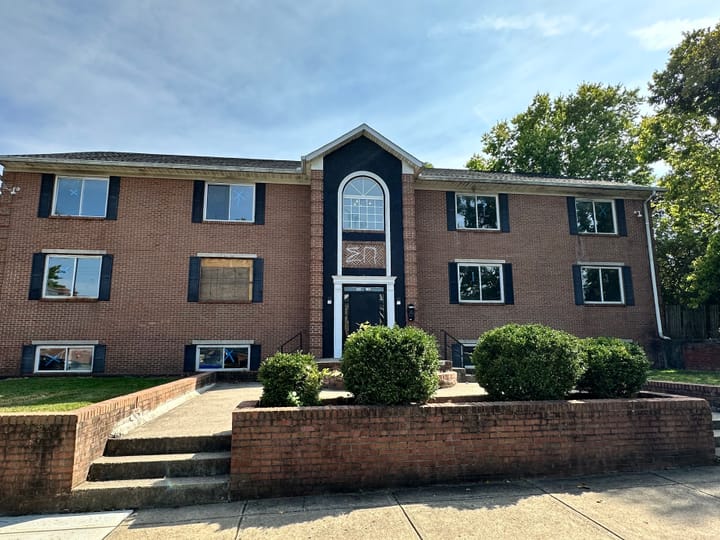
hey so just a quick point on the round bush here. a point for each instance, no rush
(290, 380)
(527, 362)
(614, 368)
(390, 366)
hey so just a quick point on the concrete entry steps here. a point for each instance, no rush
(157, 472)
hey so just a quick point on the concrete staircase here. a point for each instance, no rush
(716, 432)
(156, 472)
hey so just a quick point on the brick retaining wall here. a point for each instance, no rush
(703, 355)
(288, 451)
(47, 454)
(708, 392)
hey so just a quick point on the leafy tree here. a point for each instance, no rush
(592, 133)
(685, 134)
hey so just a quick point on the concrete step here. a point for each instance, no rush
(148, 493)
(160, 466)
(716, 420)
(716, 432)
(167, 445)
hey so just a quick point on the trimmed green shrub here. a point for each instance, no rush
(527, 362)
(614, 368)
(290, 380)
(390, 366)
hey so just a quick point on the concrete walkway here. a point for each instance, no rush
(663, 504)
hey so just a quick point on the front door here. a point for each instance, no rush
(362, 304)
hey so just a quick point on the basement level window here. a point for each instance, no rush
(218, 357)
(68, 358)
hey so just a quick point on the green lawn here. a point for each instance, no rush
(680, 375)
(67, 393)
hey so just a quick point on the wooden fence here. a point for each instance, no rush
(685, 323)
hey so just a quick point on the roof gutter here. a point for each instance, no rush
(651, 260)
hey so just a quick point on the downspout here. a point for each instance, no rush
(651, 259)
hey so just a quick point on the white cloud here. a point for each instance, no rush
(547, 26)
(666, 34)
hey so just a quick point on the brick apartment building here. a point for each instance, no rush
(124, 263)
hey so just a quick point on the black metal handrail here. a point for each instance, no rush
(446, 336)
(298, 336)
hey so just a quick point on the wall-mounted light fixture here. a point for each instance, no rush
(411, 312)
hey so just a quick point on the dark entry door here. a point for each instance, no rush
(362, 305)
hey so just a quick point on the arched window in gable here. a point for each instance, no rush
(363, 204)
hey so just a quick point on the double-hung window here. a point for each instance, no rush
(477, 212)
(68, 358)
(480, 283)
(219, 357)
(81, 197)
(229, 202)
(595, 216)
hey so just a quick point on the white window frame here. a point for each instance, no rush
(230, 185)
(82, 192)
(68, 256)
(67, 346)
(476, 195)
(224, 345)
(595, 232)
(362, 198)
(601, 267)
(480, 264)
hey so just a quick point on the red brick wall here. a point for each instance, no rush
(707, 392)
(295, 451)
(315, 296)
(148, 321)
(45, 455)
(542, 252)
(701, 356)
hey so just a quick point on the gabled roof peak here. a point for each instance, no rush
(366, 131)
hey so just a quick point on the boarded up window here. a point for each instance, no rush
(226, 280)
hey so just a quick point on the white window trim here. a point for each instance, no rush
(82, 192)
(227, 255)
(479, 264)
(75, 256)
(386, 193)
(602, 294)
(224, 345)
(361, 198)
(223, 342)
(205, 199)
(476, 195)
(614, 215)
(67, 345)
(74, 251)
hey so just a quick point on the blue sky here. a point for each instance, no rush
(278, 79)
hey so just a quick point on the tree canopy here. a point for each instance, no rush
(592, 133)
(685, 134)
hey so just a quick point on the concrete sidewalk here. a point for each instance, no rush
(662, 504)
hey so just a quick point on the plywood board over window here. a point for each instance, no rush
(226, 280)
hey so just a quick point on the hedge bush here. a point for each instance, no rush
(290, 380)
(390, 366)
(527, 362)
(614, 368)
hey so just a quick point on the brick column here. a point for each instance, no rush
(409, 239)
(5, 202)
(316, 262)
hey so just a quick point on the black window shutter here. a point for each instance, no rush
(99, 359)
(628, 286)
(577, 284)
(259, 204)
(504, 212)
(190, 355)
(453, 280)
(37, 273)
(572, 215)
(450, 204)
(508, 283)
(105, 277)
(113, 198)
(198, 201)
(620, 216)
(194, 280)
(47, 186)
(257, 286)
(254, 357)
(27, 364)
